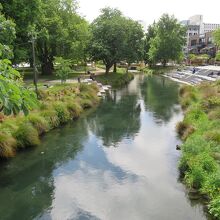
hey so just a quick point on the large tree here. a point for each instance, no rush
(115, 38)
(168, 41)
(13, 96)
(24, 13)
(151, 32)
(60, 30)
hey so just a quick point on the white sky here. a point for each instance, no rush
(150, 10)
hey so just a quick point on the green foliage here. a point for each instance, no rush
(39, 123)
(115, 79)
(199, 163)
(14, 97)
(215, 207)
(217, 57)
(7, 145)
(62, 112)
(167, 41)
(216, 36)
(62, 68)
(115, 38)
(26, 135)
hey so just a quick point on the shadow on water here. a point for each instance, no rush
(119, 162)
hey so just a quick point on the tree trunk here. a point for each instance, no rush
(47, 67)
(107, 68)
(46, 61)
(115, 68)
(164, 63)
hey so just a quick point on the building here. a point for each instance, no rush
(199, 35)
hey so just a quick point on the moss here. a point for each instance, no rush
(7, 145)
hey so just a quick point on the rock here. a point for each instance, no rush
(178, 147)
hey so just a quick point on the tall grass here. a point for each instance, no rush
(58, 105)
(199, 163)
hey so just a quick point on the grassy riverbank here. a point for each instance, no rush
(58, 105)
(200, 131)
(158, 69)
(115, 79)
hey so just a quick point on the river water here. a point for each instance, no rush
(117, 162)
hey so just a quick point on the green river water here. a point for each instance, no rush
(117, 162)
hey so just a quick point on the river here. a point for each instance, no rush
(117, 162)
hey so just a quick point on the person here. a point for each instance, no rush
(194, 70)
(79, 79)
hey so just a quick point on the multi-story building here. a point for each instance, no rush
(199, 35)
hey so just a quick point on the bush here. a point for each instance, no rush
(51, 117)
(74, 109)
(26, 135)
(213, 135)
(7, 145)
(39, 123)
(62, 112)
(214, 114)
(214, 207)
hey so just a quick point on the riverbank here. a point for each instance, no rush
(158, 69)
(57, 105)
(116, 80)
(200, 131)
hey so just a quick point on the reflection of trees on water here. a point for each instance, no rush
(160, 96)
(116, 119)
(27, 183)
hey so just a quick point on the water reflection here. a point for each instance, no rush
(160, 97)
(78, 173)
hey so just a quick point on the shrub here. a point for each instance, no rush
(86, 103)
(62, 112)
(184, 130)
(51, 117)
(195, 177)
(213, 135)
(38, 122)
(214, 207)
(74, 109)
(7, 145)
(26, 135)
(214, 114)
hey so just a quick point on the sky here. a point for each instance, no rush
(150, 10)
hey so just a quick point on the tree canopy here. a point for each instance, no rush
(168, 42)
(216, 36)
(115, 38)
(60, 30)
(13, 96)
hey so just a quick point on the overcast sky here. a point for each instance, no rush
(150, 10)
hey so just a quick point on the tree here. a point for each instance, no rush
(115, 38)
(151, 32)
(168, 41)
(62, 68)
(216, 36)
(61, 31)
(134, 42)
(13, 96)
(24, 13)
